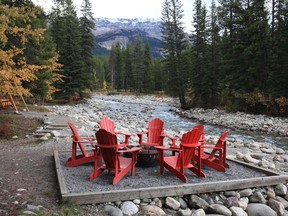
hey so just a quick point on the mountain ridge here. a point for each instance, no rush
(109, 31)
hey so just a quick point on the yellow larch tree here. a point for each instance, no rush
(15, 29)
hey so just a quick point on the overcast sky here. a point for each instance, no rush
(128, 8)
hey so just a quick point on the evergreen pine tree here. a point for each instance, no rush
(137, 66)
(128, 76)
(66, 32)
(173, 44)
(200, 73)
(87, 27)
(278, 73)
(148, 81)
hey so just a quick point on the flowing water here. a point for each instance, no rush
(176, 123)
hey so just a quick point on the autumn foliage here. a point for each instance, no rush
(16, 29)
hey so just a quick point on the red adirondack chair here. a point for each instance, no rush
(109, 125)
(111, 153)
(81, 142)
(200, 127)
(186, 158)
(216, 157)
(155, 133)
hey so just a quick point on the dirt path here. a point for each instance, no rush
(27, 177)
(27, 174)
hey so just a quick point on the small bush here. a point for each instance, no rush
(5, 130)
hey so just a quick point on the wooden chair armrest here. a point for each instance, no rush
(173, 140)
(88, 138)
(163, 134)
(106, 146)
(122, 133)
(141, 133)
(140, 136)
(211, 147)
(122, 145)
(136, 149)
(174, 147)
(189, 144)
(164, 148)
(86, 142)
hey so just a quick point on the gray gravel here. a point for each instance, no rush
(77, 178)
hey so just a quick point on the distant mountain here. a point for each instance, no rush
(123, 30)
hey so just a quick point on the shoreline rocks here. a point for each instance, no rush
(246, 202)
(239, 120)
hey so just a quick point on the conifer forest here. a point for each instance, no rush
(235, 57)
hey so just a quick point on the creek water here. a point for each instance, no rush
(176, 123)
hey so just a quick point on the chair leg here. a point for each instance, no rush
(121, 174)
(97, 166)
(79, 159)
(175, 172)
(95, 174)
(198, 170)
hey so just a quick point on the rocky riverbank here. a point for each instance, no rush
(131, 114)
(239, 120)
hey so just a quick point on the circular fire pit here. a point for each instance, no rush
(146, 158)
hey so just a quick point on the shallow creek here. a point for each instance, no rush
(176, 123)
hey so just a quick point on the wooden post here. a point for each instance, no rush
(24, 103)
(14, 105)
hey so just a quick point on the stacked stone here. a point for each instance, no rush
(260, 201)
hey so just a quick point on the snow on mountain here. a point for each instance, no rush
(123, 30)
(151, 26)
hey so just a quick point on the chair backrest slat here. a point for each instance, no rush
(105, 137)
(189, 142)
(155, 130)
(107, 124)
(77, 138)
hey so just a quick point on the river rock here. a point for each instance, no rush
(285, 158)
(230, 193)
(268, 150)
(282, 200)
(237, 211)
(184, 212)
(183, 204)
(197, 202)
(276, 206)
(152, 210)
(279, 150)
(33, 207)
(243, 202)
(270, 193)
(266, 164)
(198, 212)
(247, 158)
(219, 209)
(246, 192)
(258, 156)
(44, 138)
(112, 211)
(259, 209)
(172, 203)
(129, 208)
(231, 201)
(281, 190)
(257, 197)
(137, 201)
